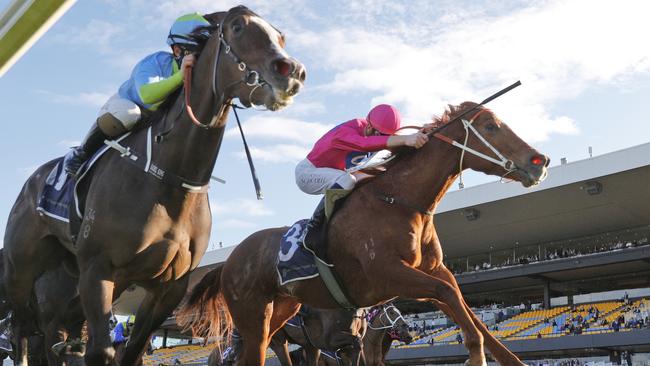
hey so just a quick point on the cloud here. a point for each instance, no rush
(271, 126)
(553, 47)
(281, 153)
(240, 207)
(234, 224)
(93, 99)
(98, 34)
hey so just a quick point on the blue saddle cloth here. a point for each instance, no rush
(57, 195)
(296, 321)
(295, 262)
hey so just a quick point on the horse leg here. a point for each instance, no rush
(96, 294)
(312, 354)
(280, 347)
(157, 305)
(412, 283)
(502, 354)
(19, 278)
(252, 317)
(19, 292)
(284, 308)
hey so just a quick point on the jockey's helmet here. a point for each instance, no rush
(384, 118)
(183, 28)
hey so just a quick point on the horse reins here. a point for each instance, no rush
(251, 78)
(506, 164)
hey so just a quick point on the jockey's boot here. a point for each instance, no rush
(315, 226)
(75, 158)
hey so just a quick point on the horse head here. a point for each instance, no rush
(251, 63)
(400, 328)
(490, 146)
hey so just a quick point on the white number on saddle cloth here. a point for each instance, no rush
(372, 161)
(291, 241)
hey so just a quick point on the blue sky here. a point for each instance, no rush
(584, 65)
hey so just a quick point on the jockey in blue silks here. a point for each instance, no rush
(152, 80)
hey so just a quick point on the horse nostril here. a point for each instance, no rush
(302, 75)
(282, 67)
(539, 160)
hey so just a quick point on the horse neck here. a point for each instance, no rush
(188, 150)
(375, 336)
(423, 178)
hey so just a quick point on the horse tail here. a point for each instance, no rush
(206, 313)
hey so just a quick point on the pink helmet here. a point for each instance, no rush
(384, 118)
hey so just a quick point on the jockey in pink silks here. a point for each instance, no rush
(339, 149)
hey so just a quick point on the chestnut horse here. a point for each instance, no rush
(382, 241)
(150, 228)
(385, 325)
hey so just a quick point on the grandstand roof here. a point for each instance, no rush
(510, 215)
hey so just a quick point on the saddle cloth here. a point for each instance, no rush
(59, 195)
(295, 262)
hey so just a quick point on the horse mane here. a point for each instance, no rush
(439, 123)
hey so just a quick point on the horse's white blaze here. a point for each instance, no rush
(274, 35)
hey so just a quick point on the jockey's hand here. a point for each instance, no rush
(188, 61)
(416, 140)
(428, 127)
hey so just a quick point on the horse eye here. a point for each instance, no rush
(491, 127)
(237, 27)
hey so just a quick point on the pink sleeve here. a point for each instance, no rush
(349, 139)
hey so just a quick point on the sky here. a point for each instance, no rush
(584, 68)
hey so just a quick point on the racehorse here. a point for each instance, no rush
(382, 241)
(53, 293)
(385, 324)
(150, 226)
(339, 331)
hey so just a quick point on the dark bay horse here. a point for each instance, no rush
(150, 226)
(382, 241)
(385, 324)
(338, 331)
(57, 317)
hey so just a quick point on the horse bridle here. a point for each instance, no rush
(508, 165)
(391, 321)
(251, 77)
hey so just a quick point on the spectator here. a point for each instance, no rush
(616, 325)
(459, 338)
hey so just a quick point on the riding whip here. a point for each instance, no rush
(256, 182)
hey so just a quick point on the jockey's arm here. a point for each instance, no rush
(156, 92)
(416, 140)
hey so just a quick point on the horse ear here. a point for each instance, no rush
(215, 18)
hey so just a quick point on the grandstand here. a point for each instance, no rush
(550, 251)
